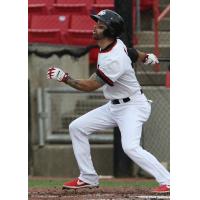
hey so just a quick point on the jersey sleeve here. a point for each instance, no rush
(110, 72)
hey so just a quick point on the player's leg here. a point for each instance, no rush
(95, 120)
(131, 128)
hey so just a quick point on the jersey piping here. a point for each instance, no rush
(104, 77)
(109, 47)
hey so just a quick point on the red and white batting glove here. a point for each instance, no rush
(57, 74)
(150, 59)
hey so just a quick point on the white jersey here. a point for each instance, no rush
(114, 67)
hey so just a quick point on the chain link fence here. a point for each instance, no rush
(60, 106)
(156, 131)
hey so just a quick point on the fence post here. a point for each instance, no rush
(125, 10)
(29, 131)
(122, 163)
(40, 117)
(156, 35)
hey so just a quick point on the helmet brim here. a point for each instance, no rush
(96, 18)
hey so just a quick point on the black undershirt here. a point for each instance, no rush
(133, 54)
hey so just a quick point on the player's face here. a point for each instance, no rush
(98, 30)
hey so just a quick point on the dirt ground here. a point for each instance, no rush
(101, 193)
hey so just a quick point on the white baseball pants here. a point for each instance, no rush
(129, 117)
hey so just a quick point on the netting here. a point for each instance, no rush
(156, 131)
(66, 106)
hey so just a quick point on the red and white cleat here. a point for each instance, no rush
(162, 189)
(77, 183)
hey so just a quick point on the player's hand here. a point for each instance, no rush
(57, 74)
(150, 59)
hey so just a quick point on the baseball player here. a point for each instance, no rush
(128, 107)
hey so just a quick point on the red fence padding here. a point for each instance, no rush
(80, 27)
(51, 22)
(82, 22)
(40, 7)
(87, 2)
(93, 55)
(50, 29)
(102, 4)
(80, 31)
(72, 6)
(29, 20)
(47, 2)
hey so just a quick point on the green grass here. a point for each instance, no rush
(51, 183)
(44, 183)
(128, 184)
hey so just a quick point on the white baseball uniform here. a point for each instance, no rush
(128, 109)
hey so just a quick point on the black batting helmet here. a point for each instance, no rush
(113, 21)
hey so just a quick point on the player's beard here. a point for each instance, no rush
(98, 36)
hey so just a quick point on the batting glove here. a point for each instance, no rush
(150, 59)
(57, 74)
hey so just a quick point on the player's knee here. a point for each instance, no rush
(73, 127)
(76, 127)
(130, 149)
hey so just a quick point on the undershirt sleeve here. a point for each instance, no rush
(104, 77)
(133, 54)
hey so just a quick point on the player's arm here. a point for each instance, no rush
(87, 85)
(139, 56)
